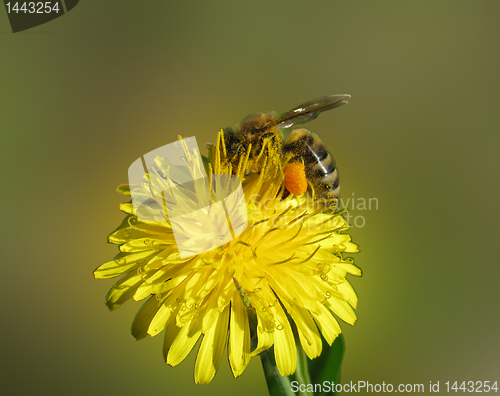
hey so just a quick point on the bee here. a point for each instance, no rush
(298, 145)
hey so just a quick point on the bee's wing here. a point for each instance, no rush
(308, 111)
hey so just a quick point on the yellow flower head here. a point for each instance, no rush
(284, 275)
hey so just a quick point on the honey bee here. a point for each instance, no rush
(298, 145)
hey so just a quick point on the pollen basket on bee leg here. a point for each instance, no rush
(295, 178)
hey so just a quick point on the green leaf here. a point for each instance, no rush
(327, 366)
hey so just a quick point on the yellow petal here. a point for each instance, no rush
(127, 208)
(265, 334)
(150, 287)
(124, 189)
(148, 243)
(211, 349)
(194, 284)
(327, 323)
(168, 340)
(239, 337)
(120, 235)
(285, 350)
(342, 309)
(213, 280)
(308, 332)
(351, 247)
(143, 318)
(124, 262)
(211, 313)
(226, 289)
(185, 340)
(347, 268)
(166, 312)
(289, 287)
(123, 290)
(346, 289)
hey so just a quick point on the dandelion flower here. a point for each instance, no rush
(284, 275)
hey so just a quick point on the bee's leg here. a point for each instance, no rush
(285, 194)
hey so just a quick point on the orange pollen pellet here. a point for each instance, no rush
(295, 178)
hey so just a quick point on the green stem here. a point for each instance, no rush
(302, 372)
(277, 385)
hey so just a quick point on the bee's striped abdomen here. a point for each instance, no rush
(319, 164)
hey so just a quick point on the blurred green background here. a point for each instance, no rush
(85, 95)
